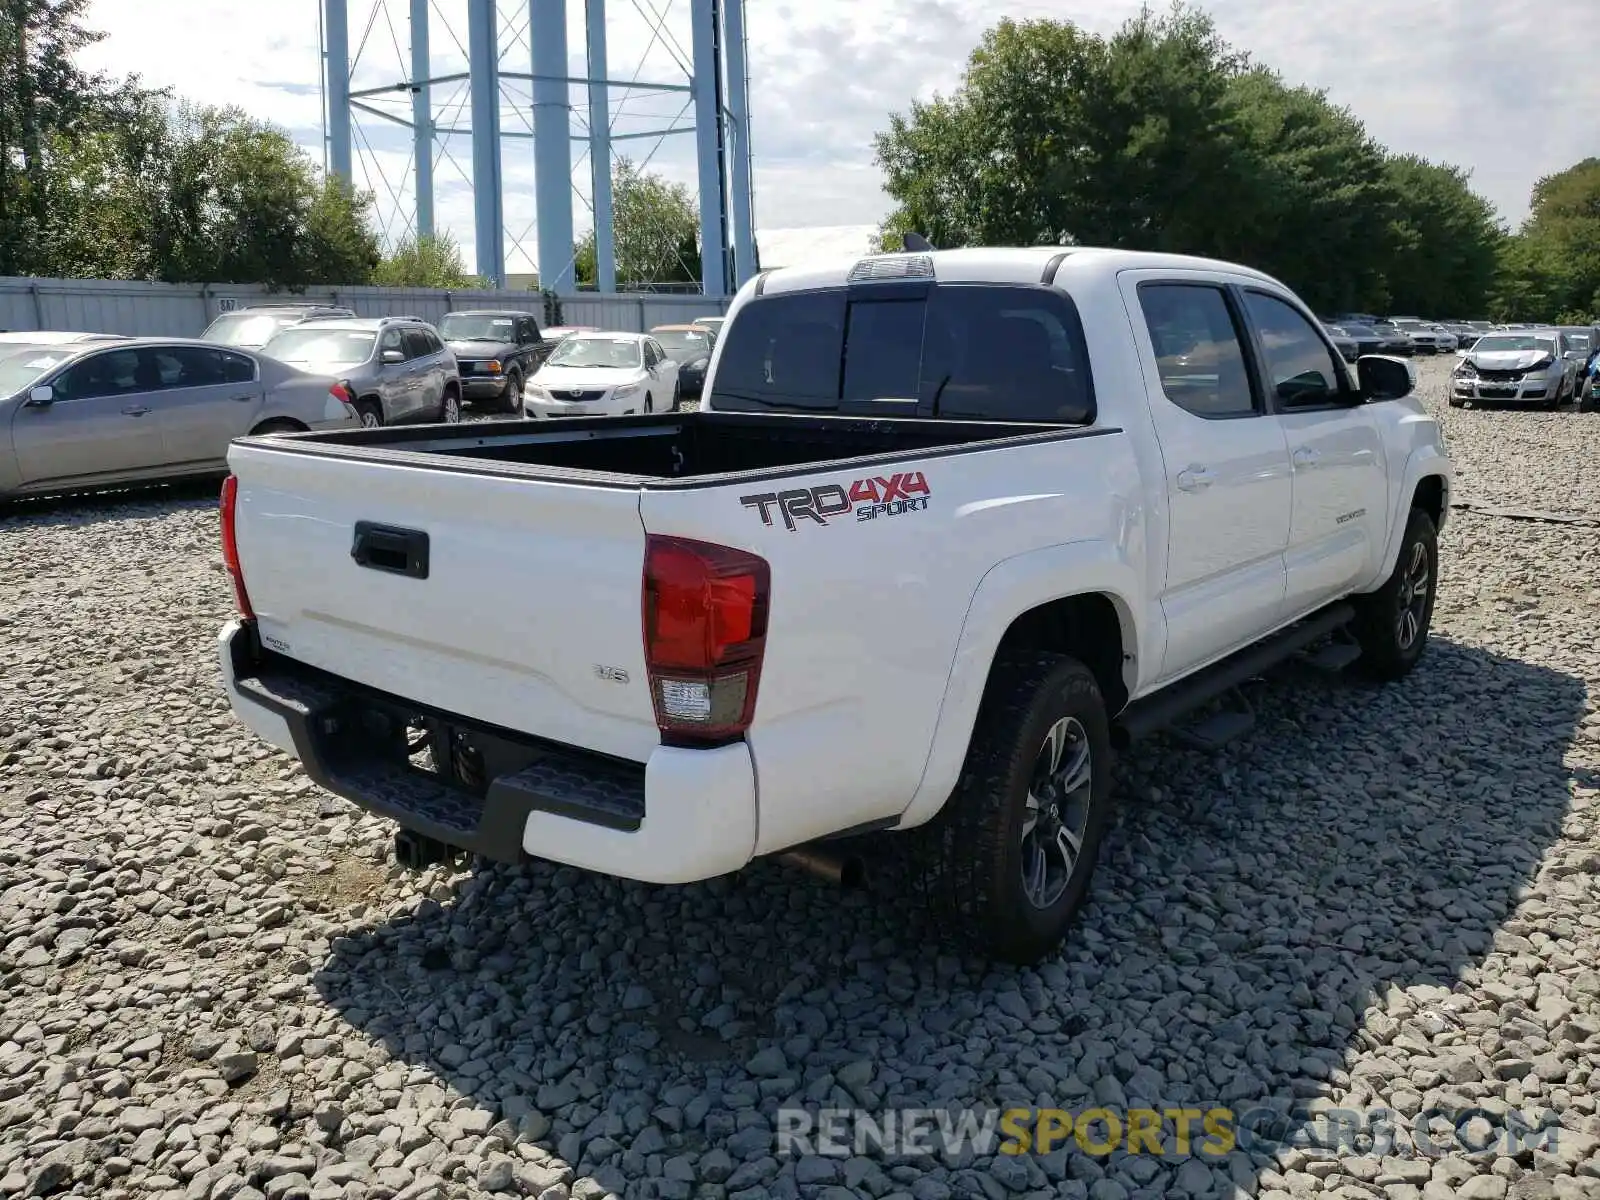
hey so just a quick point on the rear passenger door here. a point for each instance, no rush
(426, 360)
(397, 381)
(208, 397)
(1227, 466)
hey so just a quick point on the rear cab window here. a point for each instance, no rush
(961, 351)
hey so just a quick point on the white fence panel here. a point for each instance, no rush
(184, 310)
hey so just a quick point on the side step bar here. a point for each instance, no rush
(1157, 712)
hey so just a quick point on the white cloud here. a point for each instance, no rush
(825, 74)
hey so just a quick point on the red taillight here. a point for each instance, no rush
(230, 547)
(705, 631)
(342, 394)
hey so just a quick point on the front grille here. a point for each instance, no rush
(576, 395)
(1493, 376)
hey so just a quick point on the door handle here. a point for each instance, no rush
(135, 410)
(1196, 478)
(1306, 457)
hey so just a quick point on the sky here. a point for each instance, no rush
(1495, 86)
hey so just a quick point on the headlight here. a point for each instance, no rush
(1466, 370)
(536, 392)
(492, 366)
(1544, 364)
(625, 390)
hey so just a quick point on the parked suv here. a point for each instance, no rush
(396, 370)
(253, 327)
(497, 350)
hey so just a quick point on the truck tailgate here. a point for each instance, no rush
(527, 616)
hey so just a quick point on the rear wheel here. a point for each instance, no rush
(370, 412)
(450, 414)
(1009, 860)
(1391, 624)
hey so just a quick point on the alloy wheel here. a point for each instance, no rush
(1413, 597)
(1057, 817)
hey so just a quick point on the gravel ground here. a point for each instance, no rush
(213, 984)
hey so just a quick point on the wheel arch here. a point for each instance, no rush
(289, 424)
(1076, 599)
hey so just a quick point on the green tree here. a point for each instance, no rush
(433, 262)
(341, 247)
(46, 101)
(1164, 137)
(1316, 207)
(657, 226)
(1445, 238)
(1551, 269)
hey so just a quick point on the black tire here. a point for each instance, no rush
(277, 425)
(511, 398)
(450, 407)
(1380, 625)
(370, 412)
(649, 403)
(677, 397)
(973, 855)
(1456, 402)
(1586, 397)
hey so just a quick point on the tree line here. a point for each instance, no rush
(1165, 137)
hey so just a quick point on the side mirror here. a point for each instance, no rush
(42, 396)
(391, 357)
(1383, 378)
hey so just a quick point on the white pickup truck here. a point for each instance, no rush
(949, 527)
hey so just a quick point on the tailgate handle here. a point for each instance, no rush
(388, 548)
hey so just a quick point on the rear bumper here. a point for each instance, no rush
(685, 815)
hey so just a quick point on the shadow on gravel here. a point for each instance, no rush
(1249, 911)
(121, 504)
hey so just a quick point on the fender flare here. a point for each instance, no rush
(1424, 462)
(1010, 588)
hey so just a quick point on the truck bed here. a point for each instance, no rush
(669, 449)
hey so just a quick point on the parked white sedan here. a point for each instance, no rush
(603, 375)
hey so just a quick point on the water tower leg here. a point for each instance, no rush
(738, 96)
(483, 50)
(422, 117)
(708, 148)
(336, 34)
(605, 249)
(552, 143)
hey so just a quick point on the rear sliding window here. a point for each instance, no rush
(978, 352)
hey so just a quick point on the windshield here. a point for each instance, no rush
(332, 347)
(248, 329)
(20, 366)
(579, 351)
(1579, 341)
(1359, 331)
(1509, 344)
(683, 344)
(470, 327)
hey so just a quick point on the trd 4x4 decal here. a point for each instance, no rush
(869, 498)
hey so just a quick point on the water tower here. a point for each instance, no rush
(492, 73)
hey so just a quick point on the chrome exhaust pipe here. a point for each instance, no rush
(843, 870)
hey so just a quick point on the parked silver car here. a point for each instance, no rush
(253, 327)
(80, 416)
(397, 369)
